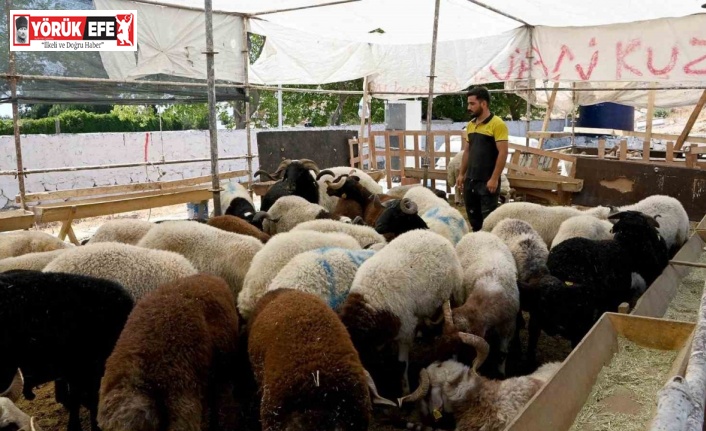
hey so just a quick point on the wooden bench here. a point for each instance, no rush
(16, 220)
(100, 201)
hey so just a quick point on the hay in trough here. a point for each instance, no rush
(685, 305)
(624, 396)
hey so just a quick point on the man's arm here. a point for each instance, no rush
(499, 166)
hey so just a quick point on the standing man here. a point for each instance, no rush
(483, 159)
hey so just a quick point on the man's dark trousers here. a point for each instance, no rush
(479, 201)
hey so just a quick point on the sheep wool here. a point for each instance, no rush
(583, 226)
(545, 220)
(139, 270)
(365, 235)
(30, 261)
(14, 244)
(127, 231)
(527, 247)
(276, 254)
(326, 272)
(438, 214)
(171, 366)
(289, 211)
(209, 249)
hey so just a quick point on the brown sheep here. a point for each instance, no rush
(172, 367)
(234, 224)
(354, 198)
(309, 373)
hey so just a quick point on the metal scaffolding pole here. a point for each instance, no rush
(246, 88)
(530, 82)
(16, 116)
(212, 120)
(429, 147)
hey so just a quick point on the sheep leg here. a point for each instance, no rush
(403, 356)
(507, 334)
(74, 406)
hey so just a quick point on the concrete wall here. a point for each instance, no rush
(64, 150)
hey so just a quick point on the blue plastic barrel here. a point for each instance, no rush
(607, 116)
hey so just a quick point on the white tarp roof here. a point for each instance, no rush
(601, 41)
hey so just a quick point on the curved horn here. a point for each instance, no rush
(264, 174)
(337, 183)
(282, 166)
(310, 164)
(14, 391)
(31, 424)
(408, 207)
(376, 398)
(359, 221)
(449, 326)
(479, 344)
(421, 391)
(325, 172)
(376, 200)
(261, 215)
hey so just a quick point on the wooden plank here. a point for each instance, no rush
(545, 183)
(416, 152)
(418, 173)
(530, 150)
(648, 122)
(691, 158)
(16, 220)
(623, 149)
(689, 252)
(548, 114)
(556, 405)
(546, 135)
(656, 299)
(683, 137)
(66, 225)
(388, 161)
(124, 204)
(691, 264)
(447, 155)
(669, 156)
(646, 151)
(601, 148)
(533, 172)
(127, 188)
(555, 167)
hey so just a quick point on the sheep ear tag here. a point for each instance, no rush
(568, 283)
(343, 196)
(437, 414)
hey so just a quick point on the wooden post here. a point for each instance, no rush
(16, 117)
(669, 156)
(246, 89)
(547, 115)
(57, 126)
(530, 83)
(574, 100)
(430, 101)
(690, 156)
(623, 149)
(690, 123)
(648, 125)
(212, 120)
(601, 148)
(364, 111)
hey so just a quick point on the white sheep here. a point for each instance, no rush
(491, 299)
(527, 248)
(477, 403)
(438, 214)
(12, 418)
(274, 255)
(209, 249)
(29, 241)
(326, 272)
(126, 231)
(673, 219)
(233, 190)
(365, 235)
(289, 211)
(405, 282)
(30, 261)
(139, 270)
(583, 226)
(544, 219)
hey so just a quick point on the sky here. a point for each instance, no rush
(5, 110)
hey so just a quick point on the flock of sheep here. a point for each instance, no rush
(331, 301)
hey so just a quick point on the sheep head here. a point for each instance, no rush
(398, 217)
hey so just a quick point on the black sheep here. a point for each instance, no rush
(399, 217)
(60, 326)
(293, 179)
(591, 277)
(242, 208)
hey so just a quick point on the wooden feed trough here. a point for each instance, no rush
(557, 404)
